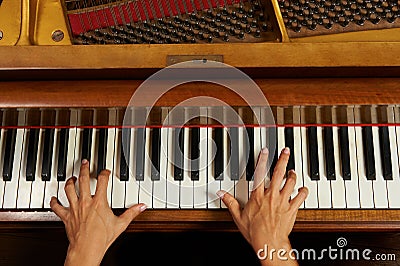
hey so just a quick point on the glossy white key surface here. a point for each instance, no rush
(11, 187)
(51, 187)
(186, 199)
(379, 184)
(311, 201)
(24, 186)
(110, 161)
(393, 186)
(226, 184)
(132, 185)
(160, 186)
(38, 187)
(352, 188)
(146, 186)
(118, 186)
(365, 186)
(242, 186)
(324, 186)
(93, 160)
(337, 185)
(200, 186)
(298, 161)
(173, 186)
(213, 185)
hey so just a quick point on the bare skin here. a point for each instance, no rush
(90, 224)
(269, 215)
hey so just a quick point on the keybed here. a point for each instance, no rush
(347, 156)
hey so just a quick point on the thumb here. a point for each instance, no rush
(130, 214)
(231, 203)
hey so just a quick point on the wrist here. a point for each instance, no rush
(81, 255)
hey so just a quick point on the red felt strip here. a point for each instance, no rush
(148, 8)
(133, 12)
(141, 10)
(75, 24)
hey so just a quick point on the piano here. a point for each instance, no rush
(67, 82)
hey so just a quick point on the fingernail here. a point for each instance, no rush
(220, 194)
(265, 151)
(143, 207)
(292, 171)
(286, 150)
(84, 161)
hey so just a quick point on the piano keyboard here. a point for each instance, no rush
(347, 156)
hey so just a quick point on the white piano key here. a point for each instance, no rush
(51, 187)
(38, 187)
(200, 186)
(110, 161)
(311, 201)
(132, 186)
(160, 187)
(146, 186)
(11, 187)
(298, 163)
(257, 150)
(337, 185)
(365, 186)
(242, 186)
(2, 148)
(212, 185)
(173, 186)
(394, 184)
(324, 186)
(24, 186)
(227, 184)
(62, 197)
(118, 186)
(379, 185)
(78, 153)
(352, 188)
(264, 144)
(186, 199)
(281, 145)
(93, 160)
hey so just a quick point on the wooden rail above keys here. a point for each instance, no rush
(279, 92)
(220, 220)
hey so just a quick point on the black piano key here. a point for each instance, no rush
(250, 153)
(329, 153)
(9, 154)
(219, 154)
(369, 159)
(47, 153)
(87, 143)
(62, 154)
(124, 154)
(140, 148)
(313, 153)
(178, 153)
(234, 150)
(289, 142)
(273, 142)
(102, 150)
(32, 154)
(155, 153)
(386, 159)
(345, 152)
(194, 153)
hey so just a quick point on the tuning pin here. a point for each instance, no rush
(209, 39)
(257, 34)
(225, 38)
(241, 35)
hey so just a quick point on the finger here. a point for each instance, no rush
(59, 210)
(290, 183)
(84, 180)
(129, 215)
(231, 203)
(102, 183)
(280, 169)
(296, 202)
(260, 172)
(71, 192)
